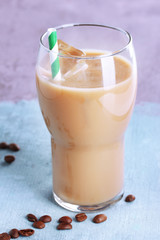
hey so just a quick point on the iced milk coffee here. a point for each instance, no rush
(87, 122)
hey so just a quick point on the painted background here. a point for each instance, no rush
(23, 21)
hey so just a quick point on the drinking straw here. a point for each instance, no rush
(54, 59)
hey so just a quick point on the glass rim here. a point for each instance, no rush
(126, 46)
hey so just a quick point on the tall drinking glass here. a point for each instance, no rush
(87, 111)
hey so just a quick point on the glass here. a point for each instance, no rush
(87, 111)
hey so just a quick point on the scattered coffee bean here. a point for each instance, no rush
(31, 217)
(65, 219)
(14, 147)
(45, 219)
(5, 236)
(80, 217)
(3, 145)
(130, 198)
(99, 218)
(14, 233)
(26, 232)
(64, 226)
(9, 158)
(39, 224)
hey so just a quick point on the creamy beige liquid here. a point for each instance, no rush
(87, 123)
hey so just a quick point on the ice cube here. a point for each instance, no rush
(44, 72)
(68, 49)
(108, 71)
(81, 65)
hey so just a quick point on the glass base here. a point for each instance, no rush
(85, 208)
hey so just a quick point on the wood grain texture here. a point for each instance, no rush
(25, 185)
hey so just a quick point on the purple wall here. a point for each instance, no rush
(23, 21)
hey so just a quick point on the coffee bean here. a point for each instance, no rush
(45, 219)
(64, 226)
(130, 198)
(9, 158)
(31, 217)
(39, 224)
(14, 147)
(3, 145)
(5, 236)
(80, 217)
(26, 232)
(65, 219)
(14, 233)
(99, 218)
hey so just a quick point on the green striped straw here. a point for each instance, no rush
(54, 59)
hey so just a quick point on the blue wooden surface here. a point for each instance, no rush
(25, 185)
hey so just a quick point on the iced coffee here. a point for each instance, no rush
(87, 112)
